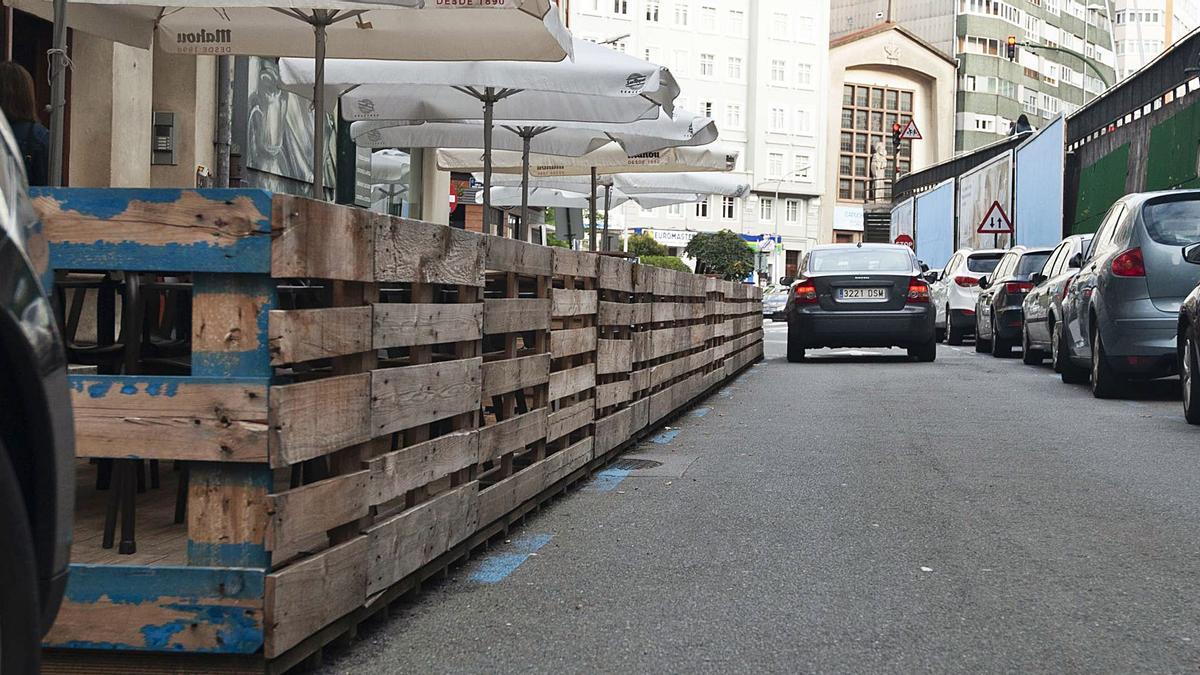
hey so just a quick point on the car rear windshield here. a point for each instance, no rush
(983, 263)
(1032, 262)
(861, 260)
(1175, 223)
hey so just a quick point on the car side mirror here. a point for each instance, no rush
(1191, 253)
(983, 282)
(786, 281)
(924, 267)
(1037, 278)
(930, 277)
(1076, 261)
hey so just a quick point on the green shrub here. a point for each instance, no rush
(669, 262)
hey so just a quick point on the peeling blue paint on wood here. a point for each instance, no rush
(135, 584)
(102, 386)
(257, 360)
(252, 254)
(232, 555)
(105, 203)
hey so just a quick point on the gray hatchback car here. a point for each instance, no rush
(1120, 311)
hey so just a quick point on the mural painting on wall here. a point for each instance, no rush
(978, 190)
(280, 129)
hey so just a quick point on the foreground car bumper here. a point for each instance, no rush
(1143, 347)
(963, 319)
(912, 325)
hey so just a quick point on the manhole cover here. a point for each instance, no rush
(634, 464)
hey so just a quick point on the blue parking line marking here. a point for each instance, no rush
(496, 567)
(665, 437)
(700, 412)
(607, 480)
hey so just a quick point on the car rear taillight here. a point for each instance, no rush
(1017, 287)
(966, 282)
(918, 290)
(1129, 264)
(806, 293)
(1062, 295)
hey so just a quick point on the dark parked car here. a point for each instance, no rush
(37, 454)
(860, 295)
(1121, 312)
(1043, 305)
(998, 314)
(1187, 342)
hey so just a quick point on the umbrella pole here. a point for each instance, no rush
(320, 21)
(607, 205)
(592, 213)
(489, 105)
(58, 92)
(526, 140)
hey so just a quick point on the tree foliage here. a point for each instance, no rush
(552, 240)
(642, 245)
(723, 253)
(669, 262)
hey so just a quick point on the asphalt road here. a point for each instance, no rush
(853, 514)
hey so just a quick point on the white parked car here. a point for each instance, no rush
(953, 294)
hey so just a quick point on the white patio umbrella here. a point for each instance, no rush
(390, 170)
(508, 197)
(429, 31)
(706, 183)
(599, 85)
(567, 139)
(610, 159)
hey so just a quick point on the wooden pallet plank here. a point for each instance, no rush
(614, 356)
(615, 429)
(227, 509)
(317, 239)
(394, 473)
(163, 608)
(513, 315)
(316, 508)
(511, 435)
(409, 396)
(170, 417)
(572, 381)
(311, 419)
(418, 252)
(408, 324)
(575, 263)
(297, 335)
(615, 274)
(570, 302)
(612, 394)
(511, 255)
(402, 544)
(616, 314)
(500, 377)
(304, 597)
(572, 341)
(566, 420)
(156, 229)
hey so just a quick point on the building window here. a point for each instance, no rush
(803, 121)
(775, 165)
(708, 18)
(801, 164)
(706, 108)
(793, 210)
(778, 119)
(766, 209)
(681, 14)
(735, 68)
(675, 210)
(779, 26)
(727, 208)
(652, 10)
(733, 116)
(702, 208)
(868, 114)
(707, 67)
(620, 6)
(682, 57)
(737, 22)
(778, 70)
(804, 74)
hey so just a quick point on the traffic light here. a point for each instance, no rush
(896, 129)
(1012, 48)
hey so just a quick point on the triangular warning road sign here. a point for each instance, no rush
(911, 132)
(995, 221)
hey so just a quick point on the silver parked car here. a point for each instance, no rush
(773, 301)
(1043, 305)
(1120, 313)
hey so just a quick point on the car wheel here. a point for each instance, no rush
(20, 637)
(1056, 353)
(1029, 355)
(981, 346)
(939, 334)
(1105, 383)
(1191, 383)
(1071, 373)
(954, 336)
(795, 348)
(1001, 348)
(924, 353)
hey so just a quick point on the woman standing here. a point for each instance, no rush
(20, 107)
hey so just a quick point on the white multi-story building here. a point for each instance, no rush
(759, 68)
(1142, 29)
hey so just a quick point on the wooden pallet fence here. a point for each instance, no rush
(364, 394)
